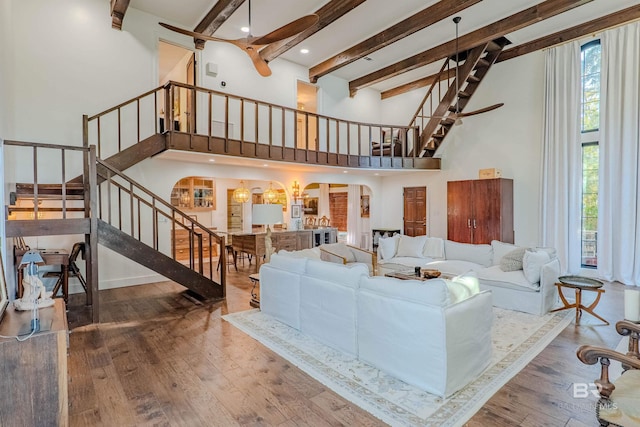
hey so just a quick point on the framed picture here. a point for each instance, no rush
(295, 211)
(364, 206)
(4, 297)
(310, 205)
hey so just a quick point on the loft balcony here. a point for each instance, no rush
(207, 121)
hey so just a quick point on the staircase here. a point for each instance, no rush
(119, 214)
(435, 123)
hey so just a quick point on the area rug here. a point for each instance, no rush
(517, 339)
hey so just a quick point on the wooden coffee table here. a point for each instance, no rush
(580, 284)
(405, 276)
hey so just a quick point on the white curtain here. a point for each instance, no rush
(561, 156)
(353, 215)
(619, 201)
(323, 201)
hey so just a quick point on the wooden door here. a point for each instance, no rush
(234, 213)
(415, 211)
(338, 203)
(460, 211)
(190, 110)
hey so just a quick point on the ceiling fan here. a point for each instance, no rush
(252, 44)
(457, 115)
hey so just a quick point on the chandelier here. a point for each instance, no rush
(242, 194)
(270, 195)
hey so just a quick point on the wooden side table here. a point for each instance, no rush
(580, 283)
(255, 299)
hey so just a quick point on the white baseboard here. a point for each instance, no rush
(75, 287)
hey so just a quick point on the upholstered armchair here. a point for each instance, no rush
(619, 403)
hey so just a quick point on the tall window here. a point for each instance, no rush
(590, 118)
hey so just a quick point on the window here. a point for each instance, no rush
(590, 122)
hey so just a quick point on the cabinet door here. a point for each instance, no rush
(493, 210)
(460, 211)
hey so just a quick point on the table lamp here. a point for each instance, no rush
(34, 295)
(266, 215)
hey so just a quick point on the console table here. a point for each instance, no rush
(34, 372)
(253, 244)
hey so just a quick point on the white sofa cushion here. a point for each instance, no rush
(411, 246)
(387, 246)
(313, 253)
(480, 254)
(454, 267)
(494, 276)
(462, 287)
(288, 263)
(408, 261)
(434, 248)
(347, 275)
(532, 263)
(500, 249)
(432, 292)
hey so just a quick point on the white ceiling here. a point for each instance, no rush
(368, 19)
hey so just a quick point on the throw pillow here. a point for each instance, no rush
(512, 261)
(532, 263)
(411, 246)
(500, 249)
(387, 246)
(434, 248)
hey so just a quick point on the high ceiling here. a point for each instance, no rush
(370, 17)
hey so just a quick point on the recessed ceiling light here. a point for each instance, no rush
(304, 50)
(265, 165)
(376, 174)
(345, 171)
(244, 29)
(212, 160)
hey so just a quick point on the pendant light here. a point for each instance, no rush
(270, 195)
(242, 194)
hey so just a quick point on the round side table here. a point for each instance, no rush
(580, 284)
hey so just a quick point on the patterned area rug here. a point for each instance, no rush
(517, 338)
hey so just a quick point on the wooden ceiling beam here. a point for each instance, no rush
(219, 13)
(603, 23)
(118, 10)
(515, 22)
(328, 13)
(404, 28)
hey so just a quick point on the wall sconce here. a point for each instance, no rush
(295, 191)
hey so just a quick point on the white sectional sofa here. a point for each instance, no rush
(435, 335)
(528, 287)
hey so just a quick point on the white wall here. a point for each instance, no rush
(508, 138)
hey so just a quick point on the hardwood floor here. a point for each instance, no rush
(160, 358)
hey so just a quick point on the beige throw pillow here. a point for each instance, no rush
(512, 261)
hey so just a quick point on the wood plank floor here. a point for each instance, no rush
(159, 358)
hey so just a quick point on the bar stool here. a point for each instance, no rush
(233, 261)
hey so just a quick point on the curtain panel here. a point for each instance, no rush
(561, 156)
(618, 195)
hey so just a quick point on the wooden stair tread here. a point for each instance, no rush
(73, 191)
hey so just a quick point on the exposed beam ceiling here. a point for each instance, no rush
(618, 18)
(490, 32)
(416, 22)
(218, 14)
(118, 10)
(327, 14)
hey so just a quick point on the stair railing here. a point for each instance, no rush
(136, 211)
(239, 123)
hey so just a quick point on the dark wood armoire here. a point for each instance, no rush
(480, 210)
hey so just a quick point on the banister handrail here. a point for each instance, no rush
(285, 108)
(44, 145)
(124, 104)
(157, 198)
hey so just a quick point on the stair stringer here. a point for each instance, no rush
(129, 247)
